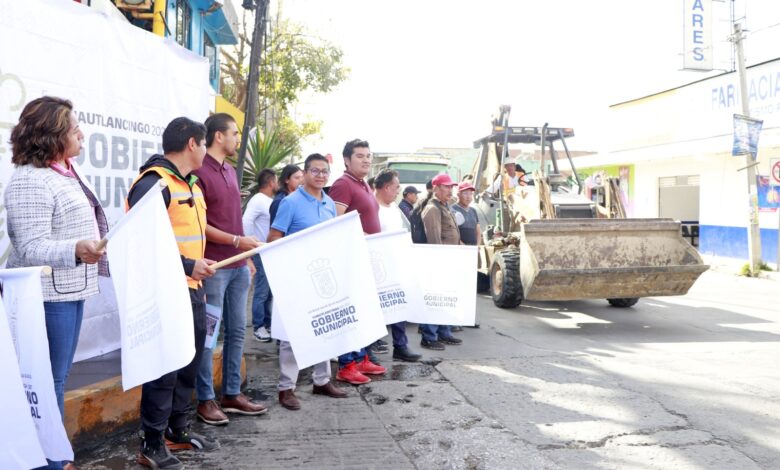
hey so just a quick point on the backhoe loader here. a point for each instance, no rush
(546, 241)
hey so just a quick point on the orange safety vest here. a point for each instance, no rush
(187, 212)
(505, 183)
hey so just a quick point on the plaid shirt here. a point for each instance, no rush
(47, 214)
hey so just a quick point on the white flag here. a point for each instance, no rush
(21, 448)
(151, 291)
(23, 302)
(326, 297)
(394, 273)
(277, 328)
(448, 282)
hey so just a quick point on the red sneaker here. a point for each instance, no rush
(367, 367)
(351, 374)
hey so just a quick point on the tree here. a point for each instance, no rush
(266, 150)
(293, 62)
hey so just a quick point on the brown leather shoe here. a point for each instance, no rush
(329, 390)
(241, 404)
(210, 413)
(288, 400)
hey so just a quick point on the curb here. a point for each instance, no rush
(98, 410)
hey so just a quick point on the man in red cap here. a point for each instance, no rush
(440, 229)
(466, 216)
(468, 221)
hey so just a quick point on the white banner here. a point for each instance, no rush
(23, 302)
(21, 448)
(697, 34)
(448, 283)
(125, 86)
(151, 290)
(396, 279)
(327, 302)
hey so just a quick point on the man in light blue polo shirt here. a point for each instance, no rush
(306, 206)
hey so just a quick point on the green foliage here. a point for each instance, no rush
(745, 271)
(264, 151)
(293, 63)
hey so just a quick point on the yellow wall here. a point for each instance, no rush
(224, 106)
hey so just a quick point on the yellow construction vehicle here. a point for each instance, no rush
(546, 241)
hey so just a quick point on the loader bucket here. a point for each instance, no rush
(568, 259)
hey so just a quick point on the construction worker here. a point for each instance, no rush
(508, 180)
(166, 403)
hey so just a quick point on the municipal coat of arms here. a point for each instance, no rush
(323, 278)
(378, 266)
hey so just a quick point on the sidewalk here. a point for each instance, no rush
(734, 266)
(95, 404)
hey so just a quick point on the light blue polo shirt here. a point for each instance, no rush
(301, 210)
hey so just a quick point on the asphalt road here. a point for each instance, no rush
(685, 382)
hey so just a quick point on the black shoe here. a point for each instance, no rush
(154, 453)
(405, 354)
(379, 348)
(381, 342)
(419, 330)
(184, 439)
(476, 325)
(435, 345)
(456, 329)
(450, 340)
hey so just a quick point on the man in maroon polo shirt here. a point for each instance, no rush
(229, 287)
(351, 193)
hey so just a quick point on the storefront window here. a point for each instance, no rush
(183, 22)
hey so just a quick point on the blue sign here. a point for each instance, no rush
(768, 195)
(746, 132)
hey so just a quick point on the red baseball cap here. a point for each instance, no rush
(466, 186)
(443, 180)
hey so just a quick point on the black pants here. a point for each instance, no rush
(168, 400)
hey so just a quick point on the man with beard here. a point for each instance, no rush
(229, 287)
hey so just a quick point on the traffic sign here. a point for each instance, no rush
(774, 171)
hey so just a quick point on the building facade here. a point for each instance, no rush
(201, 26)
(677, 145)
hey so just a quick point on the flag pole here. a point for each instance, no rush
(238, 257)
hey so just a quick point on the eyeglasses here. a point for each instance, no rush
(318, 172)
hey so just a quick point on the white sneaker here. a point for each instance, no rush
(262, 335)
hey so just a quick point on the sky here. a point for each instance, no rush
(432, 73)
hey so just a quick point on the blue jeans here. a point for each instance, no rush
(261, 300)
(63, 323)
(228, 288)
(435, 332)
(356, 356)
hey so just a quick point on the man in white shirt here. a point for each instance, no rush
(391, 218)
(506, 181)
(257, 222)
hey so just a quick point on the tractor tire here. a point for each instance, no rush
(505, 286)
(483, 282)
(623, 303)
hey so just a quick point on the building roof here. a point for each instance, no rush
(633, 100)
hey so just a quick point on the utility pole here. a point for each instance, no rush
(754, 235)
(252, 80)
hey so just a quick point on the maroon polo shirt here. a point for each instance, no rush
(223, 206)
(356, 195)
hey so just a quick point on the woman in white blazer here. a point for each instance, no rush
(54, 219)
